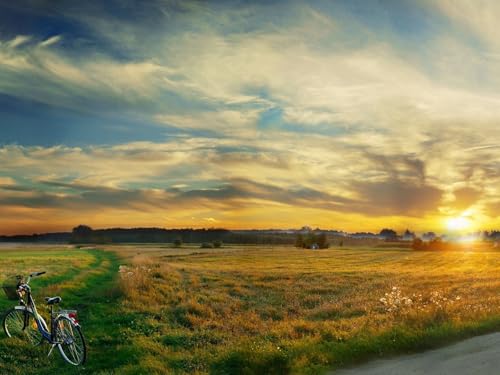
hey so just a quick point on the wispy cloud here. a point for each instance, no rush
(50, 41)
(18, 41)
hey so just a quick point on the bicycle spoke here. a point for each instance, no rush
(72, 346)
(14, 326)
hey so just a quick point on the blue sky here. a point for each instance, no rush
(209, 113)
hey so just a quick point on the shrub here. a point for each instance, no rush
(207, 245)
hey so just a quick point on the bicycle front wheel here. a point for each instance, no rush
(71, 343)
(21, 324)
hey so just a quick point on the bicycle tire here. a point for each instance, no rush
(13, 323)
(71, 343)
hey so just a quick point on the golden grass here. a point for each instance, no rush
(197, 310)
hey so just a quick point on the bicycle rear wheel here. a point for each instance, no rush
(71, 343)
(15, 325)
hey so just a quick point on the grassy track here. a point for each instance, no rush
(89, 285)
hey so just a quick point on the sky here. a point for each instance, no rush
(349, 115)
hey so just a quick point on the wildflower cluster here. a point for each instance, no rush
(440, 301)
(126, 271)
(396, 302)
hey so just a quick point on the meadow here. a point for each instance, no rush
(246, 310)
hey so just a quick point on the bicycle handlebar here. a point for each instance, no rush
(34, 274)
(37, 274)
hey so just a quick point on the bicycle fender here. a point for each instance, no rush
(73, 320)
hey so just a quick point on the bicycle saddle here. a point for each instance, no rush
(53, 300)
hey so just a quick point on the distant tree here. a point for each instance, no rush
(322, 241)
(217, 244)
(207, 245)
(309, 241)
(388, 234)
(81, 233)
(82, 230)
(429, 236)
(408, 235)
(341, 243)
(299, 241)
(177, 242)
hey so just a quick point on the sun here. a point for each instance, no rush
(459, 223)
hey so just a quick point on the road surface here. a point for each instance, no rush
(476, 356)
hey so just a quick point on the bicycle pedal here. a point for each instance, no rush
(51, 349)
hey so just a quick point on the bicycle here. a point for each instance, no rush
(24, 322)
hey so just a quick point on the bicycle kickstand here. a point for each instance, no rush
(51, 349)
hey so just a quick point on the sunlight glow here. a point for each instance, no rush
(459, 223)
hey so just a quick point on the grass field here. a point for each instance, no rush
(255, 309)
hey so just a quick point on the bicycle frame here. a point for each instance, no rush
(42, 326)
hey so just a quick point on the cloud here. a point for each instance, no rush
(396, 197)
(6, 182)
(230, 122)
(18, 41)
(478, 18)
(465, 197)
(79, 83)
(50, 41)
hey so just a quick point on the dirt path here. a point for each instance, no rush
(476, 356)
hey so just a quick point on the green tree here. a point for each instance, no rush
(81, 233)
(322, 241)
(299, 241)
(388, 234)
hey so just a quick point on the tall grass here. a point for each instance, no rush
(285, 310)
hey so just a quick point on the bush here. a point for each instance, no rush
(178, 242)
(218, 244)
(207, 245)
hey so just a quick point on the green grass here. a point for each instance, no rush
(89, 285)
(255, 310)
